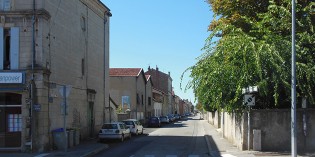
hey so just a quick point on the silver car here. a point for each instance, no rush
(114, 130)
(164, 119)
(134, 125)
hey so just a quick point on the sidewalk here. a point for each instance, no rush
(219, 146)
(84, 149)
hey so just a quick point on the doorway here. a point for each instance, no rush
(10, 120)
(91, 119)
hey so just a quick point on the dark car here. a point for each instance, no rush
(164, 119)
(171, 117)
(154, 122)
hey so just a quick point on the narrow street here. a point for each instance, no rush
(182, 138)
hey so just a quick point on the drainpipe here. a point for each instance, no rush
(105, 21)
(32, 77)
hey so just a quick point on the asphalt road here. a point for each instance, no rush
(184, 138)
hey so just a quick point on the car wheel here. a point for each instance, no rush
(122, 138)
(142, 131)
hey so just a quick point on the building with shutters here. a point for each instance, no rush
(163, 82)
(131, 89)
(47, 46)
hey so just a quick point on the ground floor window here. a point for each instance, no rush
(14, 122)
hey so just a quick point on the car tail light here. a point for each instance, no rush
(117, 131)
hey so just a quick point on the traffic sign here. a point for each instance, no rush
(249, 100)
(37, 107)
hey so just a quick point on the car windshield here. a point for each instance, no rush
(109, 126)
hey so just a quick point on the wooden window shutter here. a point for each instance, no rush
(14, 49)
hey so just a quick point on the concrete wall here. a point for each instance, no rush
(275, 126)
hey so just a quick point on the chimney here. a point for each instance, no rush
(157, 69)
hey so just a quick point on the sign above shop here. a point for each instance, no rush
(11, 77)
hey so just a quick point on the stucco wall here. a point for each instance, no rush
(275, 126)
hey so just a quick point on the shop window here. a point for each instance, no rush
(14, 122)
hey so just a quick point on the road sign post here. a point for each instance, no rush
(249, 100)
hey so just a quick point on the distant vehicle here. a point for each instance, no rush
(177, 116)
(164, 119)
(171, 117)
(154, 122)
(114, 130)
(134, 125)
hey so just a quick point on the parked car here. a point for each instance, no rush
(164, 119)
(171, 117)
(134, 125)
(114, 130)
(177, 117)
(154, 122)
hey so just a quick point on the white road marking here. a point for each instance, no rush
(228, 155)
(42, 155)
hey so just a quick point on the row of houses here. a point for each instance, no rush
(142, 94)
(54, 73)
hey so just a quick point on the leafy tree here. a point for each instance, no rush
(254, 48)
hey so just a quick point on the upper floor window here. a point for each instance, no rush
(9, 48)
(5, 5)
(83, 23)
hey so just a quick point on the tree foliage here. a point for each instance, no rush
(250, 44)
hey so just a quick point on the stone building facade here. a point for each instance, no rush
(47, 46)
(128, 88)
(163, 82)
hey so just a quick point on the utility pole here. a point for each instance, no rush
(293, 87)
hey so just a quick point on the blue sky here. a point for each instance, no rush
(165, 33)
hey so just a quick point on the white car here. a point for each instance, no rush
(134, 126)
(114, 130)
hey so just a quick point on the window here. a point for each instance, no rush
(142, 99)
(82, 67)
(83, 23)
(149, 100)
(9, 52)
(5, 5)
(138, 99)
(14, 122)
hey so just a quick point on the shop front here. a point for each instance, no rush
(11, 122)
